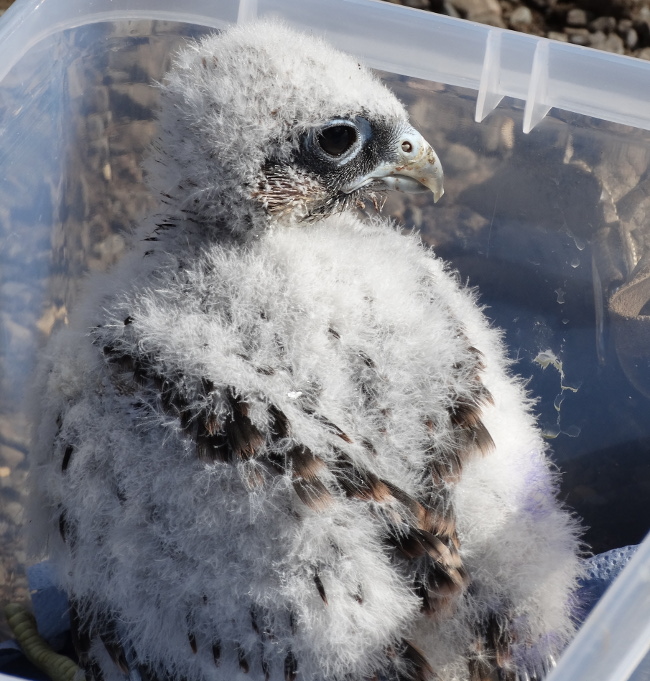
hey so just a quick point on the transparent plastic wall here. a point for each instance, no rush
(551, 226)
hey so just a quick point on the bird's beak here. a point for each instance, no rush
(417, 168)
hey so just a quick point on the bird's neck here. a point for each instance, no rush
(183, 225)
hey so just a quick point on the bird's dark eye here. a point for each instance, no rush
(337, 139)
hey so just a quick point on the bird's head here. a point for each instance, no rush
(261, 123)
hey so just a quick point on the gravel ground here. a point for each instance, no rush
(619, 26)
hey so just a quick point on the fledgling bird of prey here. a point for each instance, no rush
(278, 441)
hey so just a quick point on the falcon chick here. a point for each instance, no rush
(281, 441)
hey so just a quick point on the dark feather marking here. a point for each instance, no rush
(185, 417)
(111, 641)
(417, 665)
(211, 448)
(192, 639)
(480, 669)
(443, 584)
(465, 414)
(416, 543)
(254, 624)
(362, 484)
(79, 635)
(93, 672)
(243, 662)
(465, 417)
(438, 521)
(498, 641)
(358, 594)
(313, 493)
(63, 526)
(478, 358)
(367, 445)
(305, 469)
(476, 438)
(334, 333)
(449, 469)
(290, 667)
(238, 440)
(292, 623)
(280, 427)
(490, 657)
(433, 537)
(319, 585)
(423, 515)
(326, 422)
(69, 450)
(366, 360)
(444, 577)
(216, 653)
(266, 670)
(148, 674)
(252, 476)
(305, 463)
(244, 438)
(482, 439)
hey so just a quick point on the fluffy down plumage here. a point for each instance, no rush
(280, 441)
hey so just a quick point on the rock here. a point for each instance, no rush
(10, 458)
(460, 158)
(521, 18)
(450, 10)
(597, 40)
(577, 17)
(578, 36)
(417, 4)
(623, 26)
(604, 24)
(570, 30)
(482, 11)
(555, 35)
(54, 315)
(580, 39)
(614, 43)
(13, 510)
(643, 54)
(631, 39)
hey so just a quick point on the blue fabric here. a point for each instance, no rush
(49, 603)
(602, 570)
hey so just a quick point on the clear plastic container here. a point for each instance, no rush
(546, 150)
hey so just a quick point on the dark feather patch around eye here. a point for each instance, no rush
(337, 139)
